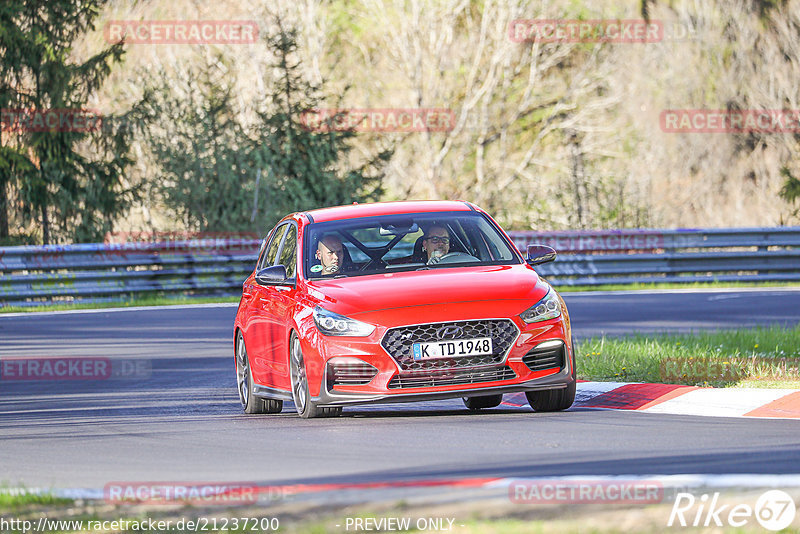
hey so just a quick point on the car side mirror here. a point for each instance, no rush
(538, 254)
(272, 275)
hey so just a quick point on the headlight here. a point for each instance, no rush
(333, 324)
(547, 308)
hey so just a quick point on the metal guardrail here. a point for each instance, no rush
(651, 256)
(32, 274)
(566, 242)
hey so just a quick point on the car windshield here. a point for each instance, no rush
(393, 243)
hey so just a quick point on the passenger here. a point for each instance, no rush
(330, 253)
(436, 243)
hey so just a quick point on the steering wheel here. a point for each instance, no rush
(456, 257)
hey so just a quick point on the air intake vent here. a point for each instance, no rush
(451, 378)
(349, 373)
(545, 356)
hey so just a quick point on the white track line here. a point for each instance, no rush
(566, 293)
(123, 309)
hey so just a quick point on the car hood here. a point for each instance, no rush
(351, 296)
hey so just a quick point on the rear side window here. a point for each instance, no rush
(271, 254)
(289, 252)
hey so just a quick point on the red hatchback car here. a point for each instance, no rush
(395, 302)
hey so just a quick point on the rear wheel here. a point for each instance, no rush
(244, 382)
(484, 401)
(306, 408)
(554, 400)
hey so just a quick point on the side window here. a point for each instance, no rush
(271, 254)
(289, 252)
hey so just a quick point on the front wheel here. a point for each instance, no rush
(555, 400)
(551, 400)
(244, 382)
(301, 394)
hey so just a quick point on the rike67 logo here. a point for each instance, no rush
(774, 510)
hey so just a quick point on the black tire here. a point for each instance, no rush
(551, 400)
(555, 400)
(244, 382)
(484, 401)
(306, 408)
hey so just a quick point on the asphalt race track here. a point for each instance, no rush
(180, 420)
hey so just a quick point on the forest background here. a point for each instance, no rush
(545, 134)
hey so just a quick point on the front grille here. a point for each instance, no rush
(398, 343)
(547, 358)
(349, 374)
(451, 378)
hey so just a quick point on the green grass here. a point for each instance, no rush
(10, 499)
(695, 285)
(137, 301)
(757, 357)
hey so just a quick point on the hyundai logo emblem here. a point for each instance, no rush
(450, 332)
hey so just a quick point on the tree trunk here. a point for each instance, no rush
(45, 226)
(3, 211)
(578, 178)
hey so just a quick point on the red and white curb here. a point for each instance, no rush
(683, 400)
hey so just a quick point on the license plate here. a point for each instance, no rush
(453, 348)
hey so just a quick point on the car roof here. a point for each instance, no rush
(351, 211)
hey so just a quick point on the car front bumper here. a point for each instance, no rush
(396, 379)
(559, 380)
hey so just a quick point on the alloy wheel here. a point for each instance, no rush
(242, 371)
(299, 382)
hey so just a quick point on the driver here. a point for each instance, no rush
(330, 254)
(436, 243)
